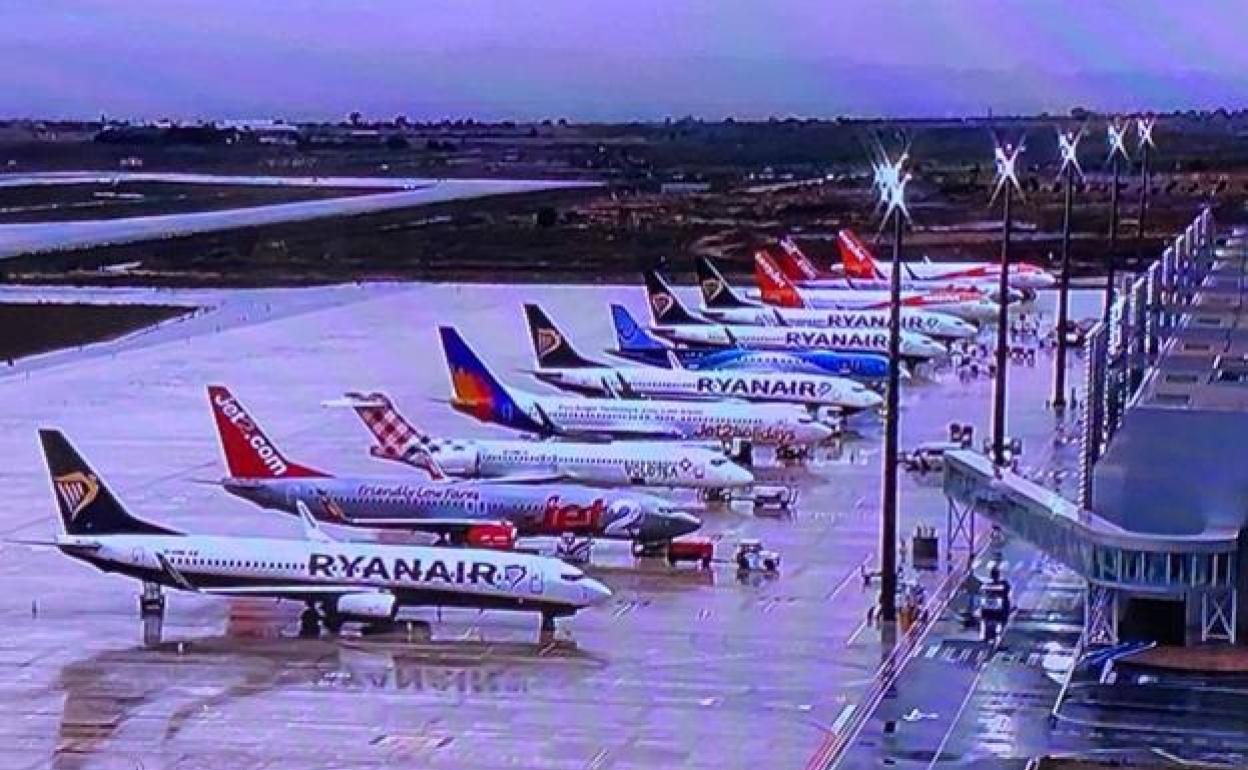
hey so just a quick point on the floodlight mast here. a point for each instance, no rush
(891, 180)
(1116, 133)
(1068, 143)
(1144, 135)
(1006, 158)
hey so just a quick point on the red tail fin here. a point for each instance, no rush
(248, 452)
(394, 434)
(794, 262)
(775, 286)
(859, 263)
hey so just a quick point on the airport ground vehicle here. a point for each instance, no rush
(752, 557)
(695, 549)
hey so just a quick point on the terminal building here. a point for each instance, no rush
(1160, 529)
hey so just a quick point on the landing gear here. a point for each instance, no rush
(332, 622)
(152, 613)
(548, 628)
(310, 623)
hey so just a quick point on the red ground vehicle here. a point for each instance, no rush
(691, 549)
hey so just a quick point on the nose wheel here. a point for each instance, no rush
(310, 623)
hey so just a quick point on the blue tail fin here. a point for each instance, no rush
(476, 390)
(634, 342)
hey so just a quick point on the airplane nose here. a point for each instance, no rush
(659, 527)
(738, 476)
(869, 399)
(593, 592)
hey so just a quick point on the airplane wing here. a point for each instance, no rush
(54, 544)
(532, 478)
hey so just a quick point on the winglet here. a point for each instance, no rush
(311, 529)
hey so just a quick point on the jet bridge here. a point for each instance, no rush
(1161, 518)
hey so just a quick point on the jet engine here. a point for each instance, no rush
(366, 605)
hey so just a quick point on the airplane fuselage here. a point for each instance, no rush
(631, 382)
(534, 509)
(969, 306)
(298, 569)
(933, 324)
(913, 346)
(618, 463)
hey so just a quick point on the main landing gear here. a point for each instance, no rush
(152, 613)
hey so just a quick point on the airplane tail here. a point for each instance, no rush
(634, 342)
(86, 505)
(859, 262)
(716, 293)
(794, 262)
(774, 285)
(550, 346)
(476, 390)
(249, 454)
(395, 436)
(665, 308)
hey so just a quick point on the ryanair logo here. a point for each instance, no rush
(661, 303)
(711, 288)
(77, 490)
(548, 340)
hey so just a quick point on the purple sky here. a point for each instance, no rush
(609, 59)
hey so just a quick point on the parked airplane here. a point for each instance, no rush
(721, 302)
(795, 264)
(776, 288)
(859, 262)
(676, 324)
(478, 393)
(610, 464)
(558, 364)
(338, 581)
(634, 343)
(261, 474)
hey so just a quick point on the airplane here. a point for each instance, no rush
(776, 288)
(337, 581)
(611, 464)
(676, 324)
(859, 262)
(720, 302)
(479, 394)
(802, 271)
(635, 344)
(260, 473)
(558, 364)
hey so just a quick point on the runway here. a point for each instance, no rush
(31, 238)
(681, 668)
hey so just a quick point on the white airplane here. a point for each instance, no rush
(776, 288)
(478, 393)
(338, 581)
(860, 263)
(558, 364)
(676, 324)
(720, 302)
(610, 464)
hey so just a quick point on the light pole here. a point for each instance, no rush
(1068, 143)
(1116, 133)
(1144, 135)
(1005, 157)
(890, 180)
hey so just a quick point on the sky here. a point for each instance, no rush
(615, 60)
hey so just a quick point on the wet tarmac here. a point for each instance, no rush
(681, 668)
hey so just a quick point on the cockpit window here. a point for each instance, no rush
(718, 461)
(572, 577)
